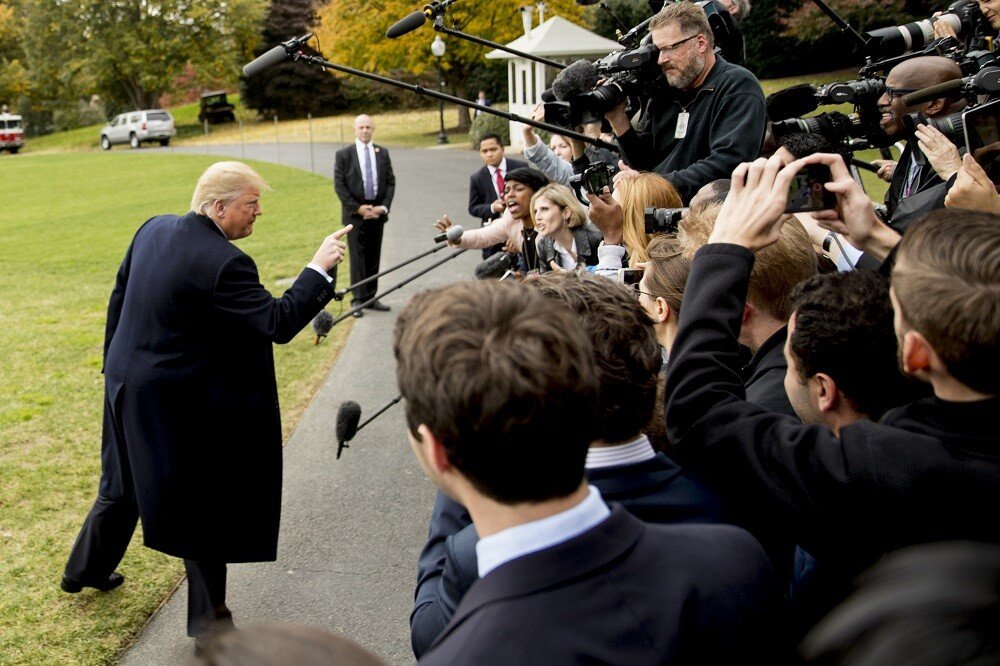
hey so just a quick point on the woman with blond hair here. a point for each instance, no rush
(565, 239)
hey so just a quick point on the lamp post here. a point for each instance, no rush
(437, 48)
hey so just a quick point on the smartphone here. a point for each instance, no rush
(596, 177)
(807, 192)
(630, 277)
(982, 137)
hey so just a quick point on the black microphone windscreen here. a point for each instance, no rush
(348, 417)
(791, 102)
(578, 78)
(262, 62)
(322, 323)
(406, 24)
(495, 266)
(548, 95)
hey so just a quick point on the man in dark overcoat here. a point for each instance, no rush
(192, 430)
(364, 182)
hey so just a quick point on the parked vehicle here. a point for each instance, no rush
(138, 127)
(215, 108)
(11, 132)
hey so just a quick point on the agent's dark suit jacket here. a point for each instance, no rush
(190, 374)
(764, 376)
(482, 192)
(928, 471)
(657, 491)
(349, 183)
(623, 592)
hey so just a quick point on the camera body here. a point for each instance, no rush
(663, 220)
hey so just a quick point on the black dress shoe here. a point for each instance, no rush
(74, 586)
(357, 314)
(378, 306)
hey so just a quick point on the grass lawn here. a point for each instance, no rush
(66, 224)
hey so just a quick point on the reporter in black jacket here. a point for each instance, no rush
(565, 239)
(927, 471)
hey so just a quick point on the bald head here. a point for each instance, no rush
(925, 71)
(364, 128)
(912, 75)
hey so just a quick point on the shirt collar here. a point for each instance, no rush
(637, 451)
(502, 166)
(361, 146)
(520, 540)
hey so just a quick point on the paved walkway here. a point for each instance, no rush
(351, 529)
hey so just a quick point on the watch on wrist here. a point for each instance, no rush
(828, 241)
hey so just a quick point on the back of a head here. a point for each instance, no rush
(279, 643)
(925, 605)
(504, 378)
(224, 181)
(626, 354)
(843, 328)
(667, 271)
(636, 193)
(776, 269)
(947, 285)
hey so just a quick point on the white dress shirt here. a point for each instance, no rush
(637, 451)
(493, 175)
(362, 148)
(566, 260)
(520, 540)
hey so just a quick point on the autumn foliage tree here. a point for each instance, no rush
(353, 33)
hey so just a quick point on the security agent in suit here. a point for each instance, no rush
(192, 431)
(923, 471)
(365, 184)
(486, 185)
(620, 463)
(563, 578)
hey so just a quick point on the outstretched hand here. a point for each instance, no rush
(331, 252)
(754, 210)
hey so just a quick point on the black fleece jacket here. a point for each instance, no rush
(725, 127)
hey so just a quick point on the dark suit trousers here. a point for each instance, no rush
(365, 246)
(206, 596)
(108, 528)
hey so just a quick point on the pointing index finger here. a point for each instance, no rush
(340, 233)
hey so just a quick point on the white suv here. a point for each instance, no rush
(137, 127)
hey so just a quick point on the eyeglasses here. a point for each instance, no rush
(893, 93)
(673, 47)
(635, 288)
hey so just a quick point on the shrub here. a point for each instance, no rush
(487, 123)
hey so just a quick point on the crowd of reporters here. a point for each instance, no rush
(825, 380)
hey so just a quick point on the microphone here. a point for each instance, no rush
(578, 78)
(451, 234)
(322, 324)
(987, 81)
(275, 55)
(408, 23)
(347, 424)
(496, 265)
(791, 102)
(411, 22)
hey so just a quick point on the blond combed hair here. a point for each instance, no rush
(776, 269)
(947, 283)
(562, 197)
(225, 182)
(636, 192)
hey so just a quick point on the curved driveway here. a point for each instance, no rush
(351, 529)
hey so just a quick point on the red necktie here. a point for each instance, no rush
(499, 182)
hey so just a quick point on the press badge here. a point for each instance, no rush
(682, 125)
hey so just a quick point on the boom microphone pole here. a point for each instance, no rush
(554, 129)
(399, 286)
(452, 235)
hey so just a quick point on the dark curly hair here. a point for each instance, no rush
(843, 328)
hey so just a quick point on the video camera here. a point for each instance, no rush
(585, 91)
(856, 131)
(663, 220)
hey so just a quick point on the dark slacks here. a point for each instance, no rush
(365, 246)
(207, 611)
(108, 528)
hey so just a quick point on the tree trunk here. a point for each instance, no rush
(464, 116)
